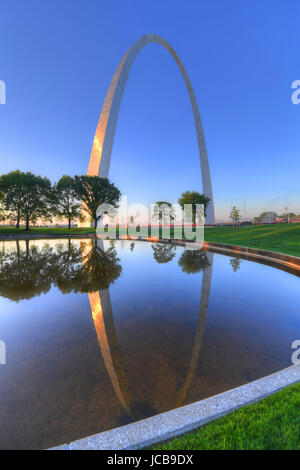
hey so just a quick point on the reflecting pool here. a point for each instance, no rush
(99, 333)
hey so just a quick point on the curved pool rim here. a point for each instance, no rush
(173, 423)
(276, 259)
(289, 263)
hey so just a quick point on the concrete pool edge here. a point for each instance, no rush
(178, 421)
(169, 429)
(289, 261)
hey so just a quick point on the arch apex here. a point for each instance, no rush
(103, 142)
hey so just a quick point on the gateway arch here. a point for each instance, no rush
(103, 142)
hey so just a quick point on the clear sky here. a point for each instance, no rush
(57, 59)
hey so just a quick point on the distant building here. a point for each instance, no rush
(288, 218)
(281, 220)
(246, 223)
(268, 217)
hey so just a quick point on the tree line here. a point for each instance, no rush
(25, 197)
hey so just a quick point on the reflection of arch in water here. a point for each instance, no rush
(104, 325)
(204, 301)
(108, 342)
(103, 142)
(106, 335)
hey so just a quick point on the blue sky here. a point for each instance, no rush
(57, 60)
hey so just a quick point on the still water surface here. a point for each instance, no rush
(100, 334)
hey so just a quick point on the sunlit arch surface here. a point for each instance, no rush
(103, 142)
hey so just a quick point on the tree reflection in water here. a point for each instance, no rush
(96, 271)
(193, 261)
(163, 253)
(26, 273)
(235, 263)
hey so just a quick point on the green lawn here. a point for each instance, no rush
(273, 423)
(283, 238)
(44, 231)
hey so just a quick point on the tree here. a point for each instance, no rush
(94, 191)
(12, 190)
(266, 217)
(37, 198)
(25, 196)
(235, 215)
(290, 216)
(66, 204)
(193, 197)
(2, 213)
(164, 212)
(2, 209)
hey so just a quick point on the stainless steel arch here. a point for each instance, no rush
(103, 142)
